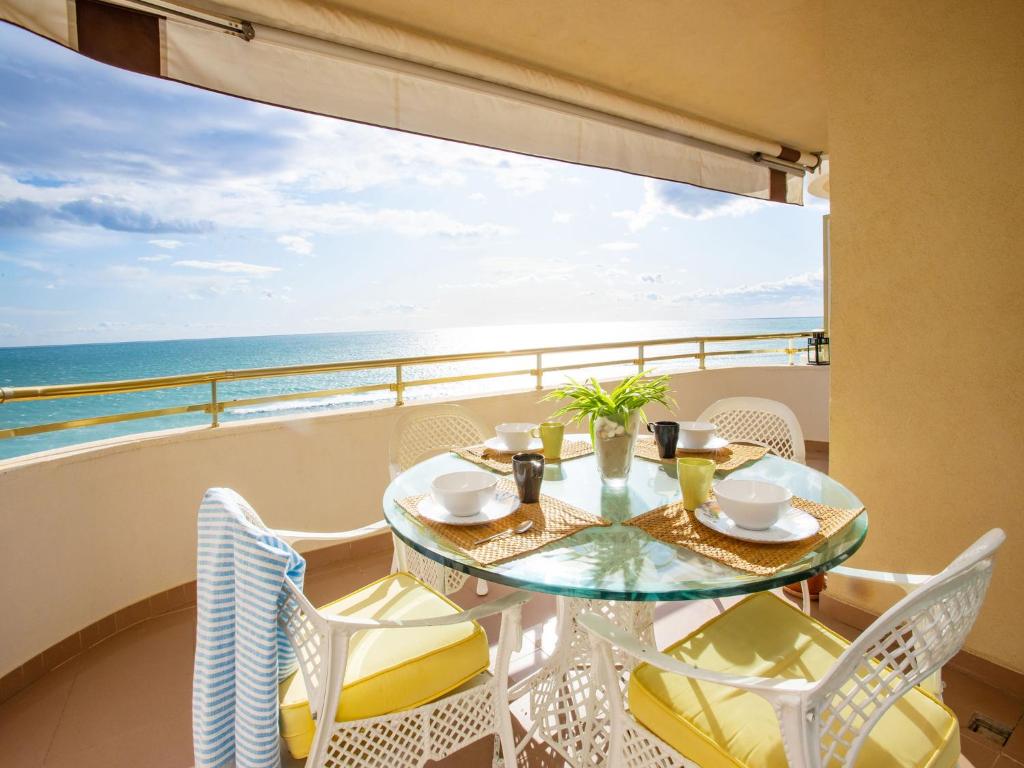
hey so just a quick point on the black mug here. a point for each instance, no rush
(666, 433)
(528, 471)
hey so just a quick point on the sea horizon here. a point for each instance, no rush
(441, 328)
(39, 365)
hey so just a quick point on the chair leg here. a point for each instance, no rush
(481, 587)
(505, 745)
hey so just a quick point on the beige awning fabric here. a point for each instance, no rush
(320, 57)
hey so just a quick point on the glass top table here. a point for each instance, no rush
(622, 562)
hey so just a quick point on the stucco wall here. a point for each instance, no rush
(926, 139)
(91, 530)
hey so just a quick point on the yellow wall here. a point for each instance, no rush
(926, 139)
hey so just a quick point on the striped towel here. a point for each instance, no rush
(241, 652)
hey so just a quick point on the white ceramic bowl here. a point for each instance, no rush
(516, 436)
(695, 434)
(752, 504)
(464, 493)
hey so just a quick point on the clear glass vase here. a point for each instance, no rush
(614, 439)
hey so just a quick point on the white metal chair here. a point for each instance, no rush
(424, 431)
(811, 720)
(764, 422)
(761, 421)
(411, 737)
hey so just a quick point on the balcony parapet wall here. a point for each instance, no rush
(93, 529)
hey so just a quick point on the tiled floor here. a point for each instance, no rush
(127, 701)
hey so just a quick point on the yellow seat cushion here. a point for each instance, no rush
(389, 670)
(716, 725)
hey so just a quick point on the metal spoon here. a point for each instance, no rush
(523, 527)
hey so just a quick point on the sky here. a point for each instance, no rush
(133, 208)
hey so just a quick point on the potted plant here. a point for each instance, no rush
(614, 416)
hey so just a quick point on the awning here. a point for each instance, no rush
(321, 58)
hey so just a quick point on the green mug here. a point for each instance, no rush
(550, 434)
(695, 476)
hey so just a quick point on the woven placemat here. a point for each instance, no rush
(502, 462)
(732, 456)
(552, 520)
(674, 525)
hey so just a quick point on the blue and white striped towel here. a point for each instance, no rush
(241, 652)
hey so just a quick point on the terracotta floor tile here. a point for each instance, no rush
(1015, 746)
(29, 719)
(967, 695)
(1005, 761)
(153, 744)
(982, 754)
(131, 698)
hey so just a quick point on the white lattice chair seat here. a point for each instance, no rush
(403, 671)
(403, 668)
(765, 636)
(758, 420)
(764, 685)
(390, 670)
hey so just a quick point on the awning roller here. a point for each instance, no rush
(323, 59)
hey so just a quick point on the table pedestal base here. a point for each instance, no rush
(567, 706)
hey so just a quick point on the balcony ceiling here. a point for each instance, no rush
(750, 65)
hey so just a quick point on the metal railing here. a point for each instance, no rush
(215, 406)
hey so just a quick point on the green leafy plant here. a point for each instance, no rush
(590, 400)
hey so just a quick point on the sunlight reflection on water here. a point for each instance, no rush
(98, 362)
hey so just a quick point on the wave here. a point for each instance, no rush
(312, 404)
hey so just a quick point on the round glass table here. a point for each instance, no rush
(622, 562)
(618, 571)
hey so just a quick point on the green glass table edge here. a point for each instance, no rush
(677, 595)
(839, 547)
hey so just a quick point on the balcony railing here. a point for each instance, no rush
(640, 356)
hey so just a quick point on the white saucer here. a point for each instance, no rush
(794, 525)
(497, 445)
(711, 445)
(503, 505)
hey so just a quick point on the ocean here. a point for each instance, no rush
(34, 366)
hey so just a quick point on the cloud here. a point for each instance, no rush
(411, 223)
(121, 218)
(31, 264)
(561, 217)
(441, 178)
(648, 277)
(522, 178)
(228, 267)
(168, 244)
(619, 245)
(806, 285)
(20, 212)
(403, 309)
(128, 272)
(33, 311)
(157, 257)
(516, 270)
(684, 201)
(283, 295)
(296, 244)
